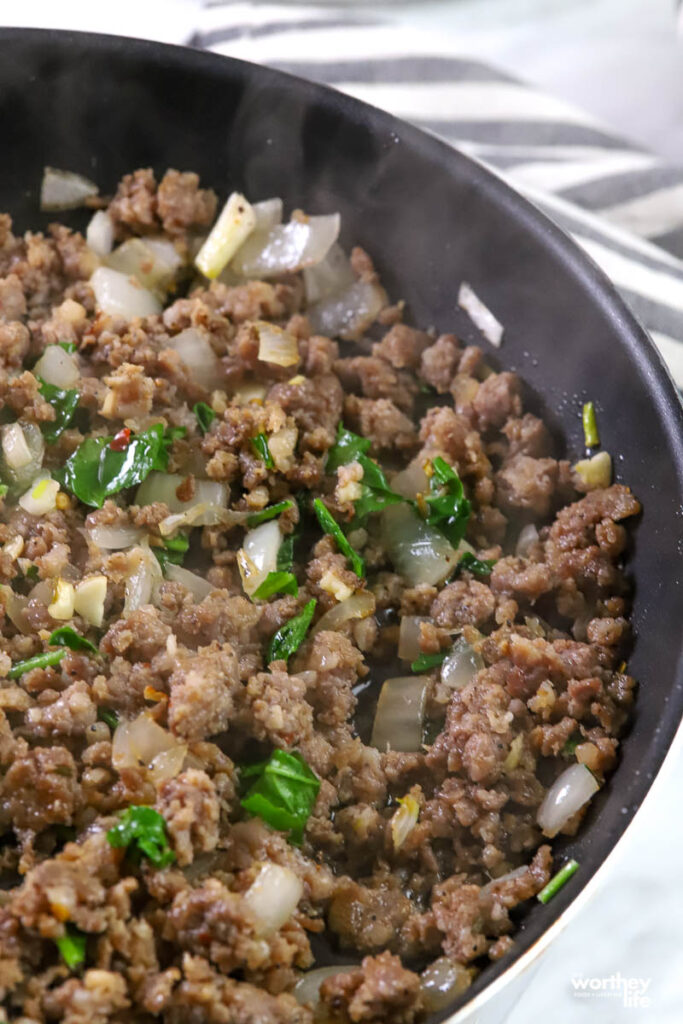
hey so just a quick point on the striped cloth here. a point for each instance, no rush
(621, 204)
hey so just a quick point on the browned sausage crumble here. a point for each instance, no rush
(222, 533)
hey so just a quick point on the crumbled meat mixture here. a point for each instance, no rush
(189, 787)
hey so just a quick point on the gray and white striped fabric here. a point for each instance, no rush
(622, 205)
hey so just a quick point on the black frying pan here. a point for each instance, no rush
(429, 216)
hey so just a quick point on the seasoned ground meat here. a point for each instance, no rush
(291, 648)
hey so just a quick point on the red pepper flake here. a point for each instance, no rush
(120, 441)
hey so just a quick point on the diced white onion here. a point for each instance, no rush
(267, 214)
(399, 715)
(272, 897)
(409, 637)
(100, 233)
(64, 190)
(15, 609)
(359, 606)
(143, 580)
(596, 472)
(331, 276)
(286, 248)
(195, 351)
(275, 345)
(349, 314)
(152, 262)
(404, 820)
(142, 743)
(57, 367)
(509, 876)
(204, 514)
(120, 295)
(41, 497)
(412, 480)
(528, 536)
(442, 982)
(235, 223)
(89, 599)
(197, 585)
(249, 392)
(418, 551)
(164, 487)
(568, 793)
(260, 547)
(115, 538)
(480, 315)
(461, 665)
(15, 449)
(307, 989)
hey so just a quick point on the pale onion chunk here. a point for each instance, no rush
(286, 248)
(461, 665)
(15, 448)
(143, 743)
(409, 636)
(404, 820)
(480, 315)
(164, 487)
(267, 214)
(41, 497)
(567, 795)
(307, 989)
(114, 538)
(259, 548)
(64, 190)
(143, 581)
(197, 585)
(528, 536)
(194, 349)
(235, 223)
(349, 314)
(120, 295)
(412, 480)
(331, 276)
(272, 897)
(100, 233)
(152, 262)
(204, 514)
(443, 981)
(276, 345)
(359, 606)
(399, 715)
(418, 551)
(595, 473)
(57, 367)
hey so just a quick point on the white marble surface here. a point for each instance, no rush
(622, 61)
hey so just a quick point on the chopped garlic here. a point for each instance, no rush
(282, 445)
(514, 754)
(89, 599)
(41, 497)
(332, 584)
(276, 345)
(299, 379)
(251, 575)
(62, 606)
(596, 472)
(234, 225)
(404, 820)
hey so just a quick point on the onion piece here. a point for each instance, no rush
(100, 233)
(412, 480)
(461, 665)
(164, 486)
(259, 548)
(249, 392)
(596, 472)
(349, 314)
(204, 514)
(152, 262)
(143, 580)
(399, 715)
(568, 794)
(480, 315)
(359, 606)
(272, 897)
(41, 497)
(194, 349)
(235, 223)
(275, 345)
(404, 820)
(197, 585)
(64, 190)
(267, 214)
(114, 538)
(120, 295)
(23, 448)
(409, 637)
(307, 989)
(418, 551)
(442, 982)
(528, 536)
(15, 449)
(15, 609)
(286, 248)
(57, 367)
(331, 276)
(167, 764)
(142, 743)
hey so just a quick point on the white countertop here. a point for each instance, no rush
(620, 60)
